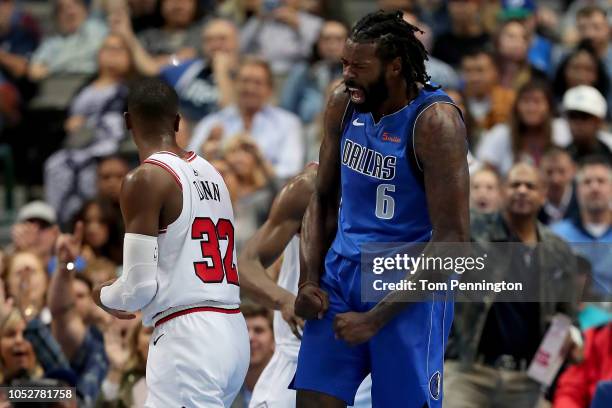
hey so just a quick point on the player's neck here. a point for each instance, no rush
(164, 143)
(399, 97)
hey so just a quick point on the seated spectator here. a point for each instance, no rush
(278, 133)
(559, 170)
(73, 50)
(485, 191)
(102, 234)
(594, 222)
(254, 189)
(528, 133)
(487, 361)
(581, 67)
(17, 355)
(512, 45)
(466, 32)
(94, 128)
(124, 386)
(109, 175)
(304, 90)
(576, 385)
(179, 36)
(283, 35)
(524, 12)
(19, 37)
(489, 102)
(26, 282)
(82, 345)
(592, 24)
(585, 109)
(261, 336)
(36, 230)
(204, 85)
(441, 73)
(177, 40)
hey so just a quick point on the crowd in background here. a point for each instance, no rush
(533, 83)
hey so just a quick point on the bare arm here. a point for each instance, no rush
(67, 326)
(319, 223)
(441, 149)
(271, 239)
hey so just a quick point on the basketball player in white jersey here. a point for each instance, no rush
(280, 233)
(179, 264)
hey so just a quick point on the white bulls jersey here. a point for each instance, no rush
(197, 258)
(288, 278)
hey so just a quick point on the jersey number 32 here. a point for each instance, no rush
(213, 269)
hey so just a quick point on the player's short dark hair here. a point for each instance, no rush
(151, 100)
(395, 38)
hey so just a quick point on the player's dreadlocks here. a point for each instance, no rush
(395, 38)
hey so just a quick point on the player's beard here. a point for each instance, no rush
(375, 94)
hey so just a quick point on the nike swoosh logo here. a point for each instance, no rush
(356, 122)
(157, 339)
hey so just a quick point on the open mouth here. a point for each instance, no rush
(357, 95)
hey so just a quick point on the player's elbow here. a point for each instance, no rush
(120, 296)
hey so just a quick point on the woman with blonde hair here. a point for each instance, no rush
(254, 188)
(124, 385)
(17, 357)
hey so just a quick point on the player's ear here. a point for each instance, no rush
(396, 66)
(128, 120)
(177, 122)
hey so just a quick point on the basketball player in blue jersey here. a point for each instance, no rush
(394, 151)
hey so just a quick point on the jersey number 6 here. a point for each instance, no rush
(213, 269)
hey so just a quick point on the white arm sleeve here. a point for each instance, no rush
(137, 285)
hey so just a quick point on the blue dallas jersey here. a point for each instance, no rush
(383, 197)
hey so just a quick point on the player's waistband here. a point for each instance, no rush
(171, 313)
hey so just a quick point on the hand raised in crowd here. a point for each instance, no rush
(120, 23)
(116, 345)
(68, 246)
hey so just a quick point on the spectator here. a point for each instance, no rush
(524, 12)
(485, 191)
(229, 176)
(84, 305)
(16, 352)
(592, 24)
(527, 135)
(559, 170)
(100, 270)
(512, 44)
(124, 386)
(102, 238)
(465, 35)
(278, 133)
(27, 284)
(179, 35)
(493, 342)
(304, 91)
(576, 386)
(82, 345)
(239, 11)
(585, 109)
(581, 67)
(282, 35)
(594, 222)
(259, 323)
(254, 189)
(94, 128)
(36, 230)
(73, 50)
(489, 102)
(19, 37)
(441, 73)
(206, 84)
(109, 175)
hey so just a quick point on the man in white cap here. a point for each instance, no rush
(586, 109)
(36, 229)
